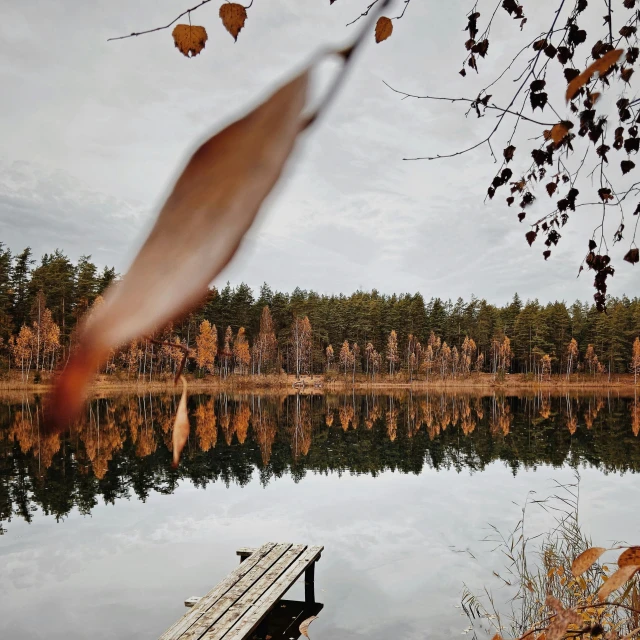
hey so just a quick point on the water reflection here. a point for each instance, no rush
(123, 445)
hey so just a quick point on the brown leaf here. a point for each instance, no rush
(384, 28)
(508, 153)
(213, 203)
(551, 188)
(601, 66)
(560, 623)
(530, 236)
(626, 74)
(233, 16)
(553, 603)
(585, 560)
(180, 426)
(304, 625)
(189, 39)
(632, 256)
(559, 131)
(616, 580)
(632, 554)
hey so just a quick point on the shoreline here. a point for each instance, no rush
(479, 383)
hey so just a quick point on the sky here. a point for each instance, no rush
(94, 133)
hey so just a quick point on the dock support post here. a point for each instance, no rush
(309, 584)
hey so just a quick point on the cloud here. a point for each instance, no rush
(94, 135)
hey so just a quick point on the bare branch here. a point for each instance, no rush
(184, 13)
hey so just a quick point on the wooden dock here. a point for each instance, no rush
(235, 608)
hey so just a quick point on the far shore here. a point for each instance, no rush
(332, 383)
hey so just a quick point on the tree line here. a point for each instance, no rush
(237, 331)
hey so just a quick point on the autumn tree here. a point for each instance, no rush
(23, 348)
(264, 346)
(591, 359)
(355, 355)
(206, 346)
(572, 355)
(226, 353)
(345, 356)
(330, 356)
(241, 351)
(301, 344)
(545, 366)
(635, 359)
(392, 351)
(467, 353)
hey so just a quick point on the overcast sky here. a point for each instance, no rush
(93, 133)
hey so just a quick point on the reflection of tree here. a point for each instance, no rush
(635, 416)
(392, 419)
(264, 430)
(225, 420)
(206, 429)
(123, 444)
(346, 414)
(500, 417)
(301, 427)
(241, 421)
(594, 406)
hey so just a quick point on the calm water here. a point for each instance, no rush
(102, 538)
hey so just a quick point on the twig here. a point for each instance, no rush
(365, 13)
(184, 13)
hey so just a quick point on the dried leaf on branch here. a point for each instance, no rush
(189, 39)
(384, 28)
(233, 18)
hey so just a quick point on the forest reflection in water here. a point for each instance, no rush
(123, 445)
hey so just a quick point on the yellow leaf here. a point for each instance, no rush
(616, 580)
(304, 625)
(384, 28)
(180, 426)
(190, 40)
(601, 66)
(630, 556)
(233, 17)
(586, 558)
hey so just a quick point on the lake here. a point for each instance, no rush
(103, 539)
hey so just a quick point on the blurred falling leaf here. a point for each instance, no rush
(553, 603)
(601, 66)
(632, 555)
(616, 580)
(190, 40)
(233, 17)
(200, 227)
(560, 623)
(585, 560)
(384, 28)
(304, 625)
(180, 426)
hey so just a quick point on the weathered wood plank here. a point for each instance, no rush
(251, 610)
(223, 604)
(192, 601)
(244, 603)
(245, 552)
(191, 616)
